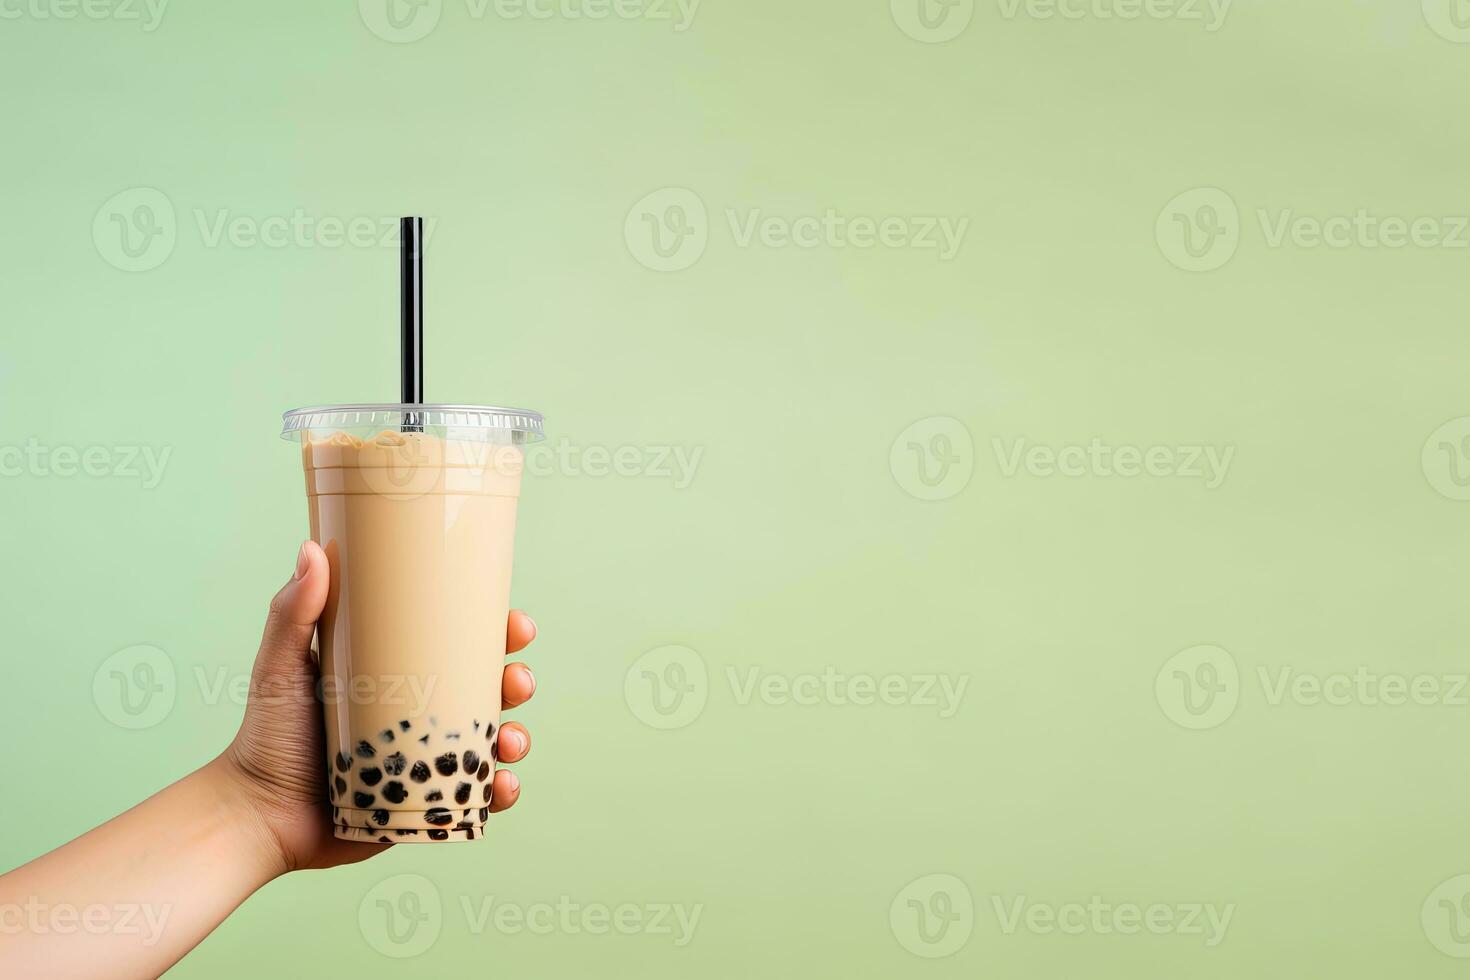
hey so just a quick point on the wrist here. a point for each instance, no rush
(240, 800)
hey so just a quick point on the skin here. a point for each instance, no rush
(188, 856)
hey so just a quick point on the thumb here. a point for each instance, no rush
(295, 610)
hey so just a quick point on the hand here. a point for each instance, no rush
(276, 760)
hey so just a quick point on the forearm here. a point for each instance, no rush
(133, 896)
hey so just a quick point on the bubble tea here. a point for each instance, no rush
(415, 507)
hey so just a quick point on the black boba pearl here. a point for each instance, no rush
(419, 773)
(438, 835)
(340, 785)
(371, 776)
(344, 762)
(469, 833)
(486, 794)
(387, 735)
(489, 730)
(447, 764)
(394, 792)
(403, 725)
(438, 816)
(433, 796)
(406, 832)
(484, 771)
(393, 764)
(477, 726)
(385, 840)
(464, 825)
(363, 800)
(462, 793)
(380, 817)
(484, 814)
(425, 740)
(365, 751)
(471, 761)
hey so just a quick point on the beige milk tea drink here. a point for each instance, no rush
(415, 507)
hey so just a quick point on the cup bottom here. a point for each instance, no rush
(410, 826)
(408, 836)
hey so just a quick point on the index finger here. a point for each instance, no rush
(520, 630)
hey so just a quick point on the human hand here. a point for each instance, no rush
(276, 759)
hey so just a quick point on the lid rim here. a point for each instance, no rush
(413, 407)
(528, 423)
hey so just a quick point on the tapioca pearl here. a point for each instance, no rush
(477, 726)
(365, 750)
(451, 736)
(438, 816)
(434, 796)
(394, 764)
(404, 725)
(438, 835)
(420, 772)
(447, 764)
(489, 731)
(484, 771)
(425, 740)
(464, 825)
(385, 840)
(486, 794)
(340, 785)
(484, 814)
(471, 761)
(344, 762)
(363, 800)
(386, 735)
(406, 832)
(380, 817)
(469, 834)
(370, 776)
(394, 792)
(462, 793)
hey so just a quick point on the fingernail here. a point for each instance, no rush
(517, 742)
(303, 562)
(534, 628)
(515, 783)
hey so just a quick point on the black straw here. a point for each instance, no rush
(412, 319)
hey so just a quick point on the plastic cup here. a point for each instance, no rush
(415, 507)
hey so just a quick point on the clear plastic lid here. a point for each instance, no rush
(479, 423)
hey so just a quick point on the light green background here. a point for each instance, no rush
(1329, 546)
